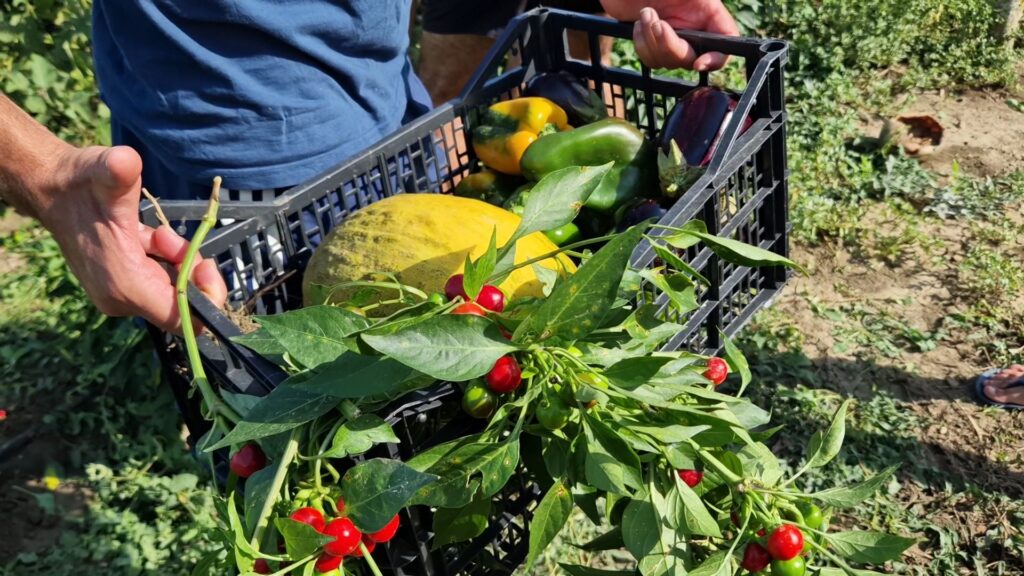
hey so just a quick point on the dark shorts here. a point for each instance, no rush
(489, 17)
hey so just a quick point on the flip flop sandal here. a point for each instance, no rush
(979, 390)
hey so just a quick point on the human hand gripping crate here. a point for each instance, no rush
(446, 380)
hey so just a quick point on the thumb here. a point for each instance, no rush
(116, 178)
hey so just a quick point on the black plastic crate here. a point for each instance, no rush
(262, 246)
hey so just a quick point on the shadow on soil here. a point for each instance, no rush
(932, 427)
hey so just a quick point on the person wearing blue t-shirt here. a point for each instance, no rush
(266, 94)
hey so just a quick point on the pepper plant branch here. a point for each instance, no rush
(218, 406)
(717, 464)
(263, 520)
(551, 254)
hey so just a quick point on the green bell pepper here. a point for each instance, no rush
(634, 173)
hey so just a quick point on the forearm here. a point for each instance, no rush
(29, 154)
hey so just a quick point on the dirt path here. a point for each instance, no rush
(981, 132)
(872, 324)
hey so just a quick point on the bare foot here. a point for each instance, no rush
(996, 388)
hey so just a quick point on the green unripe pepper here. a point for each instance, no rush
(564, 234)
(634, 173)
(812, 515)
(552, 413)
(792, 567)
(478, 401)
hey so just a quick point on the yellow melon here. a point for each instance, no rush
(422, 239)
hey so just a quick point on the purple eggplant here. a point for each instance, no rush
(581, 104)
(691, 135)
(638, 211)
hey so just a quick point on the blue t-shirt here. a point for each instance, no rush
(263, 93)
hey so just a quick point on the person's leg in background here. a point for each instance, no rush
(458, 33)
(456, 37)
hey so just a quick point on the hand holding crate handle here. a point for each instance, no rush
(659, 46)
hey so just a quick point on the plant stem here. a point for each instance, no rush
(323, 448)
(366, 283)
(348, 410)
(211, 398)
(292, 567)
(551, 254)
(369, 560)
(798, 474)
(825, 552)
(783, 494)
(275, 487)
(717, 464)
(333, 472)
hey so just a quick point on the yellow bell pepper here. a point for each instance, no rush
(508, 128)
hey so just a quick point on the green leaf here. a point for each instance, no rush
(354, 375)
(850, 496)
(375, 490)
(676, 263)
(556, 454)
(257, 488)
(718, 564)
(286, 407)
(453, 525)
(641, 528)
(432, 456)
(262, 343)
(828, 571)
(447, 347)
(694, 516)
(668, 433)
(611, 540)
(869, 547)
(313, 335)
(557, 198)
(587, 502)
(244, 553)
(551, 515)
(611, 465)
(459, 469)
(241, 403)
(300, 539)
(823, 447)
(359, 435)
(760, 462)
(737, 362)
(475, 274)
(578, 304)
(742, 253)
(679, 289)
(671, 563)
(547, 278)
(574, 570)
(631, 373)
(683, 237)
